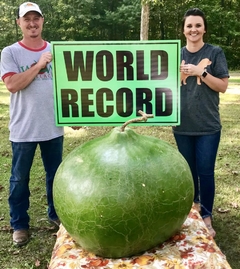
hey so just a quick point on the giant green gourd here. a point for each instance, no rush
(123, 193)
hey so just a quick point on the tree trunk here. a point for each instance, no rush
(144, 22)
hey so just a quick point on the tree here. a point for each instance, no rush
(128, 20)
(8, 28)
(144, 21)
(95, 20)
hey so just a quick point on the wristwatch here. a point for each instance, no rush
(204, 73)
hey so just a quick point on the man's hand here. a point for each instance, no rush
(76, 127)
(45, 58)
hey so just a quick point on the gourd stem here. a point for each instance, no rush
(143, 118)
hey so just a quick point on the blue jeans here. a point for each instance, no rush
(200, 153)
(22, 159)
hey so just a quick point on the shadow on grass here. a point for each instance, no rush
(227, 228)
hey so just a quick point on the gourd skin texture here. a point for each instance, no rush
(123, 193)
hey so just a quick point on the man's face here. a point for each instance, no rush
(31, 24)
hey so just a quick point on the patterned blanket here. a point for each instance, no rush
(191, 248)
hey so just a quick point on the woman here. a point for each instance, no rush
(204, 74)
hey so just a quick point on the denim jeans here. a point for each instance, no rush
(200, 153)
(19, 193)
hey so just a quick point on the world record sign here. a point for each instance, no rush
(106, 83)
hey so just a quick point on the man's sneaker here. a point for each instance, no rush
(21, 237)
(55, 222)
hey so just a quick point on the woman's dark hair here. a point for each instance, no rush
(194, 12)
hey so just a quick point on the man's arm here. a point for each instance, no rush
(19, 81)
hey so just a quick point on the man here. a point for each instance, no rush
(27, 73)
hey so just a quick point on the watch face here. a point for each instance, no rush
(204, 74)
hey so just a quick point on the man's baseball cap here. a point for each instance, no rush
(28, 6)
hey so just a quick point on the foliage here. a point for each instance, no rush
(121, 20)
(93, 20)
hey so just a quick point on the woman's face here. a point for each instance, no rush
(194, 28)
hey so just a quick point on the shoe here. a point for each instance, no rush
(55, 222)
(20, 237)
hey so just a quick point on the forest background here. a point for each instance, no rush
(80, 20)
(94, 20)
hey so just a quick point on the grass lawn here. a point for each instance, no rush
(37, 253)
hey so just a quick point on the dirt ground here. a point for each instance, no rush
(233, 90)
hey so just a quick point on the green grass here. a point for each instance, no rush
(234, 80)
(37, 253)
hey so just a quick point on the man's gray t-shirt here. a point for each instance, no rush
(199, 103)
(31, 109)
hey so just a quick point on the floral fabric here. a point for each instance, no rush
(191, 248)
